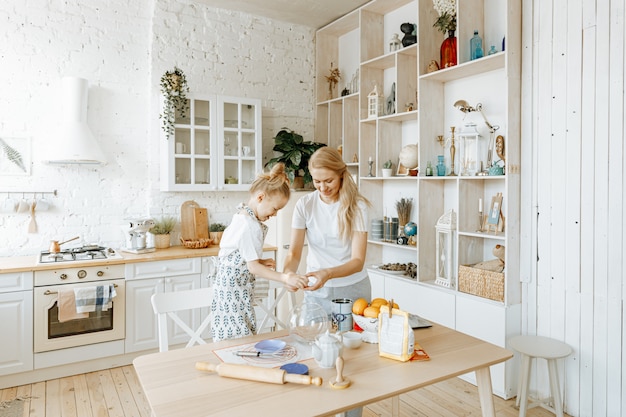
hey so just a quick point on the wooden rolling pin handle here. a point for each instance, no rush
(254, 373)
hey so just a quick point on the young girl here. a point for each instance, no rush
(239, 259)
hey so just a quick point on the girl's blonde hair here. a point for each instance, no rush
(274, 182)
(349, 196)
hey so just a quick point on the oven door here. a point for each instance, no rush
(99, 326)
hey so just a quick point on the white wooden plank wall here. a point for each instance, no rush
(574, 183)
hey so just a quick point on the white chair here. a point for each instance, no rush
(167, 304)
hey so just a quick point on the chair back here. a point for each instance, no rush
(167, 304)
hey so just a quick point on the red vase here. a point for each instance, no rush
(448, 51)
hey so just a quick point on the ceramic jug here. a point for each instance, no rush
(326, 349)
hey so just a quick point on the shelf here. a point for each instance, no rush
(467, 69)
(485, 235)
(353, 96)
(392, 245)
(392, 178)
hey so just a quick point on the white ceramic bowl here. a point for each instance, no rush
(352, 340)
(369, 326)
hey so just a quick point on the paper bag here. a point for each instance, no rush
(395, 335)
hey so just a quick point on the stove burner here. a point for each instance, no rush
(84, 253)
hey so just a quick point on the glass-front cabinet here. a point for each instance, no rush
(215, 146)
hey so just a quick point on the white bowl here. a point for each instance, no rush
(369, 326)
(352, 340)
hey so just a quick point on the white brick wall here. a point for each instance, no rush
(123, 48)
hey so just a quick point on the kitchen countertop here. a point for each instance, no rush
(29, 263)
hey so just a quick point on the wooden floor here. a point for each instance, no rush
(116, 393)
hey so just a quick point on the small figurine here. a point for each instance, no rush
(355, 158)
(433, 66)
(391, 100)
(409, 30)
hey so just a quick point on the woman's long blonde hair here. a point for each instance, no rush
(274, 182)
(349, 196)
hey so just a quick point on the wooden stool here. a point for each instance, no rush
(539, 347)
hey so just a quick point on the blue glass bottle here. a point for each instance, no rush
(441, 167)
(476, 46)
(492, 50)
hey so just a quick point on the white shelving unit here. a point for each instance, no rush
(493, 81)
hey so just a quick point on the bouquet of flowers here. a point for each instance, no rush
(447, 15)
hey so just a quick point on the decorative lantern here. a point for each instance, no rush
(374, 103)
(395, 44)
(445, 244)
(471, 160)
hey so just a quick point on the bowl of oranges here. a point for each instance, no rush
(365, 316)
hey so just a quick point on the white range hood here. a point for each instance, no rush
(74, 143)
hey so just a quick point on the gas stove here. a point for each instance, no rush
(83, 253)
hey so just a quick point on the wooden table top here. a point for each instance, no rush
(174, 387)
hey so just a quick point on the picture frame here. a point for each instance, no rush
(402, 171)
(15, 156)
(495, 219)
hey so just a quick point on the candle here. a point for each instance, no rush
(370, 160)
(480, 205)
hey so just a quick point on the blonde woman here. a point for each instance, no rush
(239, 258)
(333, 220)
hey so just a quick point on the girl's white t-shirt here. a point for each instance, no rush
(325, 248)
(243, 233)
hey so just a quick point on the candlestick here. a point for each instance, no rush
(452, 152)
(371, 164)
(480, 205)
(370, 159)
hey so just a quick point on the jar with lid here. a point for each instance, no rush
(441, 167)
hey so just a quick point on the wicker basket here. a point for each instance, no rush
(480, 282)
(196, 244)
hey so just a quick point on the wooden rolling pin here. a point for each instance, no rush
(255, 373)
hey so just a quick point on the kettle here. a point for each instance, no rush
(326, 349)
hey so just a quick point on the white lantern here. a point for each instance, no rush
(445, 244)
(374, 103)
(471, 156)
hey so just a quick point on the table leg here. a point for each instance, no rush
(523, 391)
(395, 406)
(483, 379)
(554, 385)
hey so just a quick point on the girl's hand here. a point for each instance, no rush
(317, 279)
(295, 281)
(269, 263)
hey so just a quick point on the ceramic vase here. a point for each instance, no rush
(448, 51)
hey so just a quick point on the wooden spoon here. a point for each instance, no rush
(32, 226)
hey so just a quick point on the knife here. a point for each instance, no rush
(249, 353)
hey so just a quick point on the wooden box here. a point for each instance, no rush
(480, 282)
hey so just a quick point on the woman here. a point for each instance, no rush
(333, 219)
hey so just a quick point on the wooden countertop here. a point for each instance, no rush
(29, 263)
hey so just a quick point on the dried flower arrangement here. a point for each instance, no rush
(404, 207)
(333, 79)
(447, 15)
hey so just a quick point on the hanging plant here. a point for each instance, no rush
(174, 89)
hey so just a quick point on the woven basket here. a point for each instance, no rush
(480, 282)
(196, 244)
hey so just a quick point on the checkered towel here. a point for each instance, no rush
(97, 298)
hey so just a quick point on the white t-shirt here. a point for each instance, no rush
(325, 248)
(243, 233)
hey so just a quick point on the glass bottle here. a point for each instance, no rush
(476, 46)
(492, 50)
(441, 167)
(429, 169)
(447, 51)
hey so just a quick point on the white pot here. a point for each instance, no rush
(387, 172)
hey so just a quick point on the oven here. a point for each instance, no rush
(106, 323)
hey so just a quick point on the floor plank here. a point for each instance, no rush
(117, 393)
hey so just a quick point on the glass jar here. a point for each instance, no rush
(441, 167)
(448, 51)
(429, 169)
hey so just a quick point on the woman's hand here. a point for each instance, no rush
(317, 279)
(269, 263)
(295, 282)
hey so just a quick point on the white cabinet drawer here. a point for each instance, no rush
(16, 281)
(170, 268)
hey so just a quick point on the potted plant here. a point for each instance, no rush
(174, 89)
(161, 231)
(387, 168)
(294, 153)
(215, 232)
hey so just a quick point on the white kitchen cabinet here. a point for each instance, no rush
(359, 41)
(147, 278)
(217, 147)
(16, 322)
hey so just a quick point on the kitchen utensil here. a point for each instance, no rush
(326, 349)
(32, 225)
(270, 345)
(201, 223)
(43, 205)
(55, 245)
(253, 373)
(187, 224)
(22, 206)
(255, 354)
(9, 205)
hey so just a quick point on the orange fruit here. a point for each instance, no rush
(359, 305)
(371, 312)
(377, 302)
(395, 305)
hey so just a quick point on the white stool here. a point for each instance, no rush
(539, 347)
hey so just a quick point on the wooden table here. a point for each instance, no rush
(174, 387)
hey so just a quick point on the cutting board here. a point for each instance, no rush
(201, 223)
(187, 222)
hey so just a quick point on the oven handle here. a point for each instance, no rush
(48, 292)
